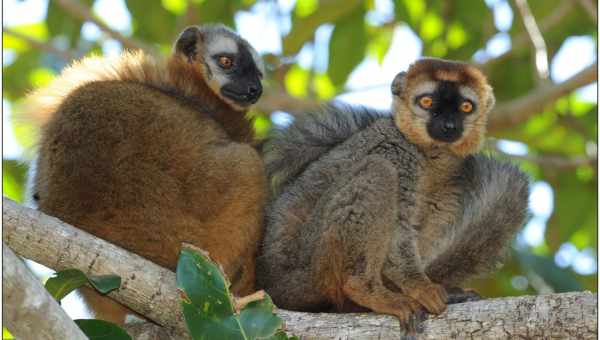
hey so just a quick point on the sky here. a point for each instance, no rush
(368, 84)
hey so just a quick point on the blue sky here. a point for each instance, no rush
(368, 85)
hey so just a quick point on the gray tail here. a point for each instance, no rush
(495, 208)
(289, 151)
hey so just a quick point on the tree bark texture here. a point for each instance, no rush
(29, 311)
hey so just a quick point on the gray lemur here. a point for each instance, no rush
(388, 212)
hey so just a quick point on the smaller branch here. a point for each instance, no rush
(562, 163)
(520, 109)
(85, 14)
(240, 303)
(541, 52)
(66, 55)
(30, 312)
(547, 23)
(590, 8)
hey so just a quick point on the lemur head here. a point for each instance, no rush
(440, 103)
(229, 65)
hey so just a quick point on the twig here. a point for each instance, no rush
(520, 109)
(521, 40)
(66, 55)
(541, 52)
(30, 312)
(78, 10)
(240, 303)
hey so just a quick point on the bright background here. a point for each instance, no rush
(369, 43)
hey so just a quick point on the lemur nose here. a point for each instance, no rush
(449, 126)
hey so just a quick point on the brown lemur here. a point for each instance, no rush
(150, 152)
(386, 212)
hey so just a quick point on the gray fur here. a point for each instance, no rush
(288, 151)
(348, 224)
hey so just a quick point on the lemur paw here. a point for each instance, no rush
(431, 296)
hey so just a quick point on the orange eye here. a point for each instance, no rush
(225, 62)
(466, 107)
(426, 102)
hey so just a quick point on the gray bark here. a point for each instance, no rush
(151, 291)
(29, 311)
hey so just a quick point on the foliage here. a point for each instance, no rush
(66, 281)
(210, 310)
(456, 29)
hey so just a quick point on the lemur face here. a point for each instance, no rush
(443, 103)
(230, 66)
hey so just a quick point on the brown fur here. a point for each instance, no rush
(142, 152)
(380, 214)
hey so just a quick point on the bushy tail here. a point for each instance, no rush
(289, 151)
(495, 208)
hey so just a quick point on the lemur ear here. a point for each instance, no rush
(399, 83)
(187, 43)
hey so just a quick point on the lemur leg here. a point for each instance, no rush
(495, 207)
(360, 216)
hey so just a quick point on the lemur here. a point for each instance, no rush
(149, 152)
(386, 212)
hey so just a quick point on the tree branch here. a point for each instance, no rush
(83, 13)
(150, 290)
(531, 26)
(520, 41)
(563, 163)
(66, 55)
(590, 8)
(519, 110)
(30, 312)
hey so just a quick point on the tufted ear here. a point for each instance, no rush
(399, 83)
(187, 43)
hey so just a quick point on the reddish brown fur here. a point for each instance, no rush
(140, 152)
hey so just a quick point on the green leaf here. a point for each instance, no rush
(13, 179)
(303, 28)
(101, 330)
(66, 281)
(347, 46)
(6, 334)
(208, 305)
(105, 283)
(258, 319)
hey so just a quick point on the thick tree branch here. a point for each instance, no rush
(147, 288)
(66, 55)
(150, 290)
(30, 312)
(76, 9)
(519, 110)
